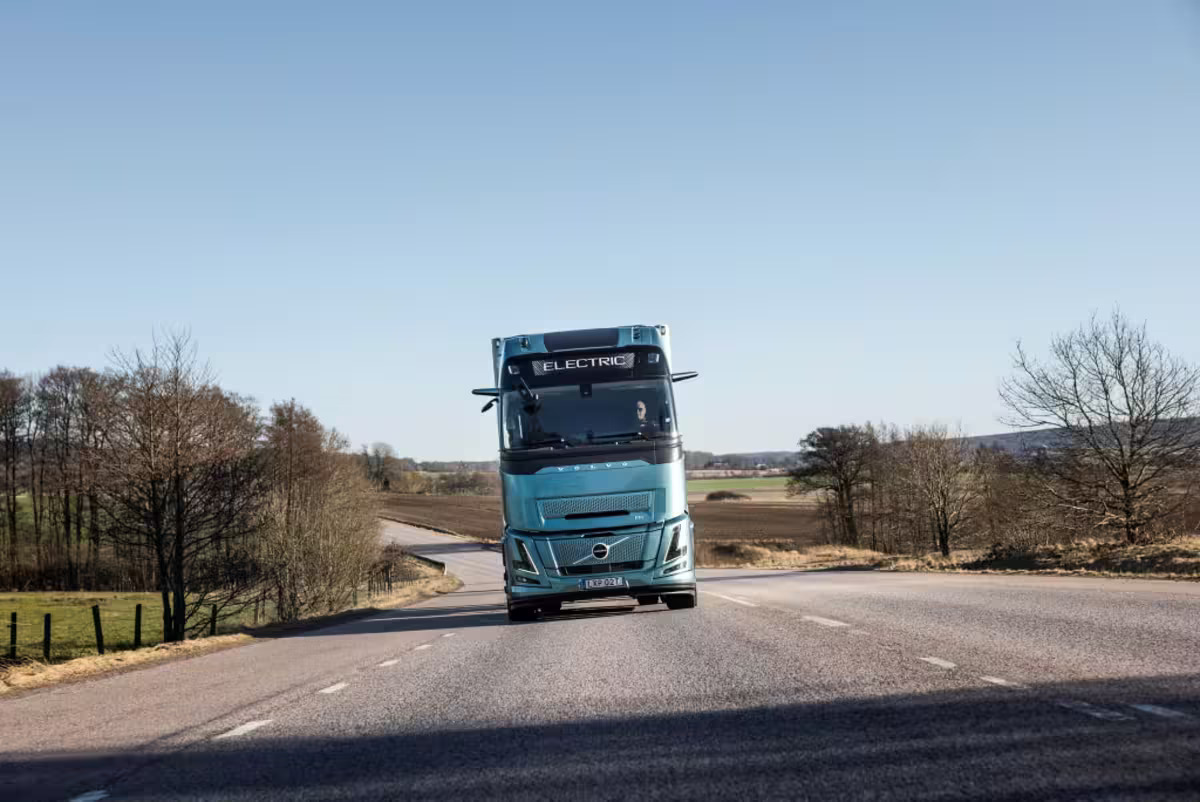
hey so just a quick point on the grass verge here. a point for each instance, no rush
(30, 673)
(782, 554)
(1177, 559)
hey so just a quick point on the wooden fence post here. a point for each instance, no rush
(212, 625)
(12, 638)
(137, 627)
(46, 639)
(99, 630)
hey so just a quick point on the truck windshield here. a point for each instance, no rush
(589, 413)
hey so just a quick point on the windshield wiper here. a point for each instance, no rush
(619, 436)
(550, 441)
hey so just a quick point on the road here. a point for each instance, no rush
(787, 685)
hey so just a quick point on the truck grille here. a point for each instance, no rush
(590, 506)
(607, 568)
(578, 552)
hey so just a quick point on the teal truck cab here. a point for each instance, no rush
(591, 466)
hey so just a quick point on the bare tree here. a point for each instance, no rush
(320, 535)
(835, 460)
(934, 466)
(12, 413)
(181, 479)
(1125, 410)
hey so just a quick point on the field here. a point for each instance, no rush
(479, 517)
(741, 485)
(73, 632)
(759, 488)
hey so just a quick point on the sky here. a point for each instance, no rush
(846, 211)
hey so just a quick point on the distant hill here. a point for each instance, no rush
(696, 460)
(1018, 442)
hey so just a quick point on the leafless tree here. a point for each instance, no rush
(181, 479)
(835, 460)
(1126, 414)
(12, 414)
(933, 465)
(320, 533)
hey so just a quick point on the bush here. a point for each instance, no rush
(726, 495)
(468, 483)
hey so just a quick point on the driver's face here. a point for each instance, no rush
(641, 410)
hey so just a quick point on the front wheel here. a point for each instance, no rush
(680, 601)
(521, 613)
(644, 600)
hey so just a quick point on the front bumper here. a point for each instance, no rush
(535, 573)
(630, 591)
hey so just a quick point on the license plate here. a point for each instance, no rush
(606, 582)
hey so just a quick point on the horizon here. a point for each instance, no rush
(845, 214)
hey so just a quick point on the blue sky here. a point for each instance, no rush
(846, 211)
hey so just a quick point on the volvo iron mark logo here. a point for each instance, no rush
(600, 551)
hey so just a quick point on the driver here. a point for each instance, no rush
(645, 425)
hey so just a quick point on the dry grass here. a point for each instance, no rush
(30, 674)
(782, 554)
(1176, 559)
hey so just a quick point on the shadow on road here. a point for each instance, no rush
(966, 744)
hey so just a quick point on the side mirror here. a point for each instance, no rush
(494, 392)
(682, 377)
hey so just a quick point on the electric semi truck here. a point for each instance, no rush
(591, 468)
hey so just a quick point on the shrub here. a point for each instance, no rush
(726, 495)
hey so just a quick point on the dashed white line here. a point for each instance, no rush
(334, 688)
(1093, 711)
(90, 796)
(449, 634)
(422, 646)
(1164, 712)
(825, 622)
(1003, 682)
(387, 663)
(730, 598)
(249, 726)
(939, 662)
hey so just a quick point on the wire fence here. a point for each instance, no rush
(59, 626)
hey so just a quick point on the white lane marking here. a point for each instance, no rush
(422, 646)
(1165, 712)
(334, 688)
(825, 622)
(939, 662)
(730, 598)
(1003, 682)
(1093, 711)
(449, 634)
(249, 726)
(387, 663)
(90, 796)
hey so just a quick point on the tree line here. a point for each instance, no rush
(149, 476)
(1113, 452)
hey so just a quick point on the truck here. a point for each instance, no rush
(591, 470)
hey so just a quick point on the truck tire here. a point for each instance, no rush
(521, 613)
(644, 600)
(680, 601)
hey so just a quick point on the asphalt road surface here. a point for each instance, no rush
(785, 685)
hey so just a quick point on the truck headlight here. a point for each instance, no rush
(521, 561)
